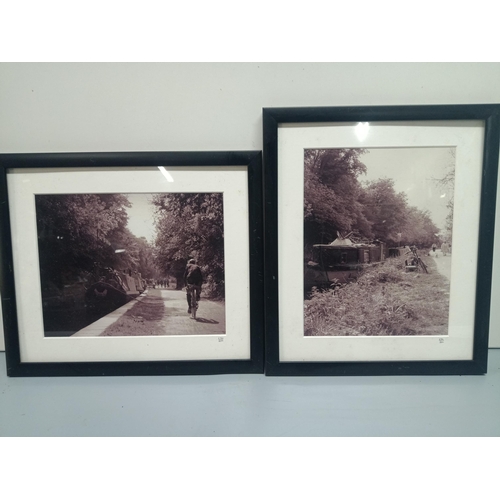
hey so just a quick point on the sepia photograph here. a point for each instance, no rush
(131, 264)
(378, 241)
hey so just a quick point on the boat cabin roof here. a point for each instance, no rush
(342, 247)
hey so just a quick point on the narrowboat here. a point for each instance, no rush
(340, 261)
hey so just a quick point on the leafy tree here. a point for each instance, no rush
(78, 232)
(191, 225)
(332, 194)
(133, 253)
(390, 215)
(386, 210)
(419, 229)
(74, 231)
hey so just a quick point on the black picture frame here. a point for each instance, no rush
(276, 119)
(204, 160)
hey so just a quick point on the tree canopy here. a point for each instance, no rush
(332, 194)
(386, 210)
(191, 225)
(78, 231)
(335, 200)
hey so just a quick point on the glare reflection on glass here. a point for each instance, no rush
(167, 176)
(361, 130)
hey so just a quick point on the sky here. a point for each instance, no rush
(414, 171)
(140, 216)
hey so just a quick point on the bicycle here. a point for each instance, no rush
(415, 261)
(193, 299)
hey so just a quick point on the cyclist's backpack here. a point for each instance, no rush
(193, 275)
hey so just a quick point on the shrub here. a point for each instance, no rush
(369, 306)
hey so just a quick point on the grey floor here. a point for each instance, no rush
(252, 405)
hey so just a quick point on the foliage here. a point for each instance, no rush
(78, 232)
(390, 215)
(385, 209)
(332, 194)
(336, 201)
(419, 229)
(190, 225)
(138, 255)
(385, 300)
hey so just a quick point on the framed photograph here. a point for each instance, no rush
(132, 263)
(379, 225)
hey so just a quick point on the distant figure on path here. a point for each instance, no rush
(434, 254)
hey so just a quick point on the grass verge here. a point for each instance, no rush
(385, 300)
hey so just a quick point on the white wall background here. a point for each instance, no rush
(65, 107)
(141, 107)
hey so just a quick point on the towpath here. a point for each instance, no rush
(161, 312)
(443, 263)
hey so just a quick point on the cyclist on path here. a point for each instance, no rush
(192, 277)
